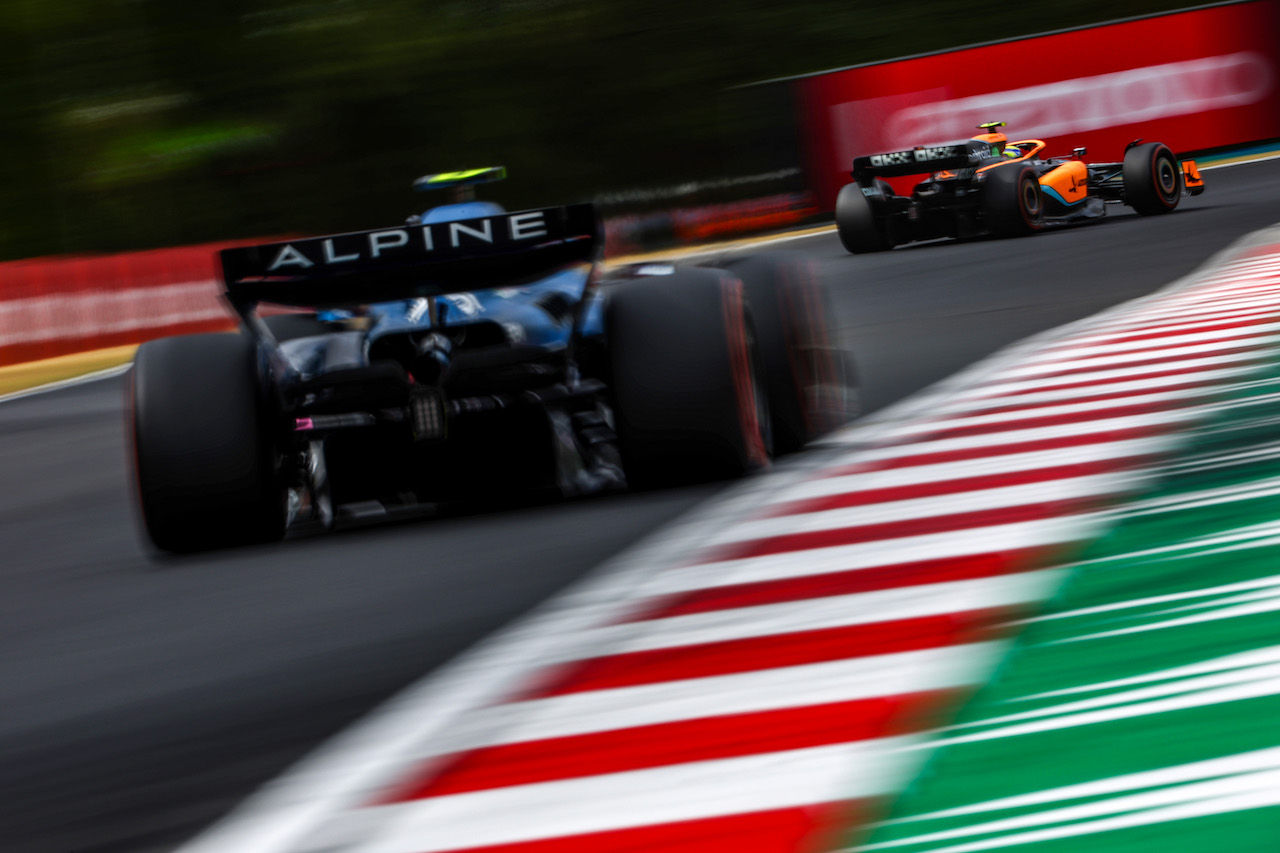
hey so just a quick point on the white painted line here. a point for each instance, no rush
(1176, 684)
(1269, 605)
(722, 695)
(1245, 278)
(1251, 689)
(1186, 366)
(637, 798)
(1184, 312)
(96, 376)
(1001, 397)
(1146, 350)
(1243, 660)
(1161, 418)
(919, 509)
(1271, 582)
(1166, 776)
(996, 539)
(1097, 382)
(1211, 461)
(889, 478)
(1007, 416)
(994, 441)
(1264, 307)
(1241, 792)
(815, 614)
(1224, 301)
(1260, 158)
(1251, 491)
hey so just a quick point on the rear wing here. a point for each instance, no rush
(922, 158)
(410, 261)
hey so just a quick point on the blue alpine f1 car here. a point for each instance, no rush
(467, 353)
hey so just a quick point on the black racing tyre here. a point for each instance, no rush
(809, 378)
(204, 467)
(1011, 201)
(861, 230)
(687, 395)
(1152, 179)
(288, 327)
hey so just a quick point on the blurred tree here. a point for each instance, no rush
(139, 123)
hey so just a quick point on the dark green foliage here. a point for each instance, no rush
(140, 123)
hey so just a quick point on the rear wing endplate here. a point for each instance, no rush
(922, 158)
(410, 261)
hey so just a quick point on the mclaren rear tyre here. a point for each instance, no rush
(809, 378)
(689, 403)
(861, 230)
(1152, 179)
(1012, 203)
(204, 468)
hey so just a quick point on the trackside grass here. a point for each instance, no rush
(1137, 711)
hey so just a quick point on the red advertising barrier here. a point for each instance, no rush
(56, 306)
(1200, 79)
(636, 233)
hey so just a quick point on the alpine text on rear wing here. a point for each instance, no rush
(410, 261)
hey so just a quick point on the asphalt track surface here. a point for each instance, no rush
(141, 699)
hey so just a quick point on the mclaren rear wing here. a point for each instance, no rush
(409, 261)
(922, 158)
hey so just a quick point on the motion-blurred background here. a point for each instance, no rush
(139, 703)
(134, 124)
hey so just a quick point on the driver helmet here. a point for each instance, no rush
(998, 141)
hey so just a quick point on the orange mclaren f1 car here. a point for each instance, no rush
(990, 186)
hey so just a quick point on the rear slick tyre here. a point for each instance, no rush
(1152, 179)
(1012, 203)
(688, 400)
(860, 229)
(809, 378)
(203, 465)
